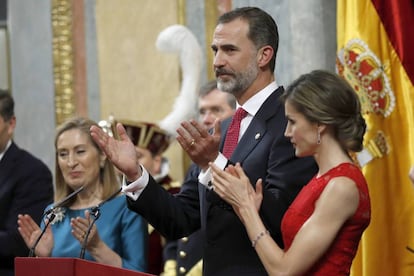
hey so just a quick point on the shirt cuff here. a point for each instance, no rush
(205, 175)
(134, 189)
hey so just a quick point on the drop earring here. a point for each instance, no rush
(319, 138)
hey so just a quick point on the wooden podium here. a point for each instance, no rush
(67, 267)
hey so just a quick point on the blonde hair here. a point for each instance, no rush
(108, 178)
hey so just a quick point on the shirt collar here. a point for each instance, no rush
(253, 104)
(7, 147)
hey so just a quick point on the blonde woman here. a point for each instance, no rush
(119, 236)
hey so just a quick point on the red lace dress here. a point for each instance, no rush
(338, 258)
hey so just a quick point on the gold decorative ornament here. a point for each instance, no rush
(63, 56)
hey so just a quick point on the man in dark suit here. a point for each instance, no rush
(184, 256)
(26, 187)
(245, 43)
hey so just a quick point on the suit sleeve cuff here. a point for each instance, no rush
(134, 189)
(205, 175)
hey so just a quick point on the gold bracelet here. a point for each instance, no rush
(258, 237)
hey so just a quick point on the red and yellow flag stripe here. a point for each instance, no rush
(376, 55)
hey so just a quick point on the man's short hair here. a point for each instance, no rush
(6, 105)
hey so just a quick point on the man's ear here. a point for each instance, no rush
(11, 125)
(264, 55)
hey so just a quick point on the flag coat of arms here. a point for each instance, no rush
(376, 56)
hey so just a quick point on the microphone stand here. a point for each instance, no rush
(63, 201)
(51, 216)
(96, 213)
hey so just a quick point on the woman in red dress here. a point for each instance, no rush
(324, 224)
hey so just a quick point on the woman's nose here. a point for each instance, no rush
(72, 161)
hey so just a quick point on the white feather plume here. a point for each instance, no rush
(179, 39)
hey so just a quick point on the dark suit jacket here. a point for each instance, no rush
(264, 153)
(187, 252)
(26, 187)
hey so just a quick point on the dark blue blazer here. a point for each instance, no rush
(26, 187)
(264, 153)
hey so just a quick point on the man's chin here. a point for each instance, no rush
(225, 86)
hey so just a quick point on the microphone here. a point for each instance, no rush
(95, 212)
(63, 201)
(51, 216)
(94, 209)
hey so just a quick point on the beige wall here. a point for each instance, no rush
(137, 82)
(128, 60)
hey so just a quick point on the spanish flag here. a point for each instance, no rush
(376, 55)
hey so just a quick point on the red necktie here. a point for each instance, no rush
(232, 136)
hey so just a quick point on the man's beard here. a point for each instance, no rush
(240, 81)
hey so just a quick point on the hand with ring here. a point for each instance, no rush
(200, 145)
(79, 227)
(192, 143)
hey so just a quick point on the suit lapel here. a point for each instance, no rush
(258, 126)
(248, 142)
(253, 135)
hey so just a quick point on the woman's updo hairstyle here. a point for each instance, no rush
(325, 98)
